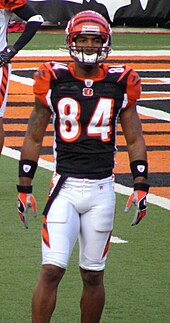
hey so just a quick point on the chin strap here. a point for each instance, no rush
(95, 58)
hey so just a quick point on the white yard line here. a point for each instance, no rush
(157, 114)
(21, 79)
(152, 198)
(63, 52)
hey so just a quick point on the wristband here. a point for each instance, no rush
(27, 168)
(11, 51)
(24, 189)
(141, 187)
(139, 168)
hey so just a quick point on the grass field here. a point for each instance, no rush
(137, 278)
(46, 40)
(137, 274)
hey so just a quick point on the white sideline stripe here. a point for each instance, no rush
(21, 79)
(50, 166)
(152, 198)
(15, 154)
(154, 92)
(154, 99)
(63, 52)
(117, 240)
(157, 114)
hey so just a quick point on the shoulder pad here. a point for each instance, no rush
(14, 4)
(59, 66)
(45, 72)
(120, 70)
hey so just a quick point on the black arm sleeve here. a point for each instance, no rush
(25, 13)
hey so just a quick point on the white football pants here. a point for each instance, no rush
(83, 210)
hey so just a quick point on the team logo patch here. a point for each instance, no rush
(88, 83)
(87, 92)
(26, 168)
(141, 168)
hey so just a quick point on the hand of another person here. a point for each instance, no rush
(6, 55)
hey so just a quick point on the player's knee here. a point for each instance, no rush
(92, 278)
(51, 274)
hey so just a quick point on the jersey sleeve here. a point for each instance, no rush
(14, 4)
(133, 87)
(42, 82)
(132, 83)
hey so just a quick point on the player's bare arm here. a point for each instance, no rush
(132, 130)
(38, 122)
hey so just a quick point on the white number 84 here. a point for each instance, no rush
(69, 119)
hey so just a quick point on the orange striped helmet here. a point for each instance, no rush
(88, 23)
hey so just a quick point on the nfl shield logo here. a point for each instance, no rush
(88, 83)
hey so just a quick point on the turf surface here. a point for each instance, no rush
(137, 275)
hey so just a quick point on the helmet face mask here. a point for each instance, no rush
(79, 53)
(88, 23)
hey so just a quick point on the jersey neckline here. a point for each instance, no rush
(99, 77)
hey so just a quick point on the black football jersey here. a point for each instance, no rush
(85, 114)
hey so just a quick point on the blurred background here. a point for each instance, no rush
(122, 13)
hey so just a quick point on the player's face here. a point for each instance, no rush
(90, 43)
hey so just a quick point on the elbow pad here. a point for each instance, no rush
(36, 18)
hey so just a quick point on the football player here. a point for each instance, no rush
(34, 20)
(85, 99)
